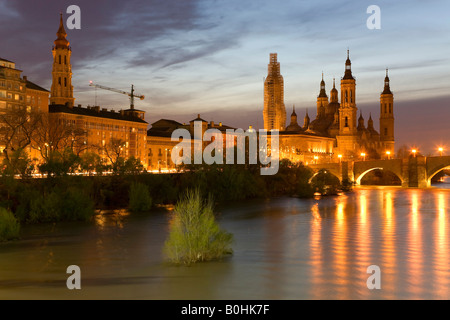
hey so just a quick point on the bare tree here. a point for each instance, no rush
(55, 134)
(114, 151)
(18, 128)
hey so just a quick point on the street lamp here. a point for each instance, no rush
(388, 153)
(414, 151)
(440, 151)
(315, 159)
(340, 158)
(364, 156)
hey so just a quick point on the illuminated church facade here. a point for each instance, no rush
(337, 133)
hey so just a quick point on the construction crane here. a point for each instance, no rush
(131, 94)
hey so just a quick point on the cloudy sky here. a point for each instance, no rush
(210, 56)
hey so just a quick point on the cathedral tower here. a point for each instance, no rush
(347, 139)
(347, 114)
(387, 116)
(62, 89)
(274, 112)
(322, 100)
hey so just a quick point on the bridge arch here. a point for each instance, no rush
(436, 165)
(435, 172)
(337, 176)
(361, 176)
(361, 168)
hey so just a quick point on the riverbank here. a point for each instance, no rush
(69, 197)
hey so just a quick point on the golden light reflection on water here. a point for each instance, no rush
(115, 218)
(441, 254)
(415, 251)
(340, 249)
(363, 250)
(316, 249)
(389, 246)
(404, 232)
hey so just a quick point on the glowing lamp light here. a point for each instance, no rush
(414, 151)
(440, 151)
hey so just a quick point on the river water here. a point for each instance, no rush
(284, 248)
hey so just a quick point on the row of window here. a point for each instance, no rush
(110, 127)
(11, 85)
(11, 96)
(13, 74)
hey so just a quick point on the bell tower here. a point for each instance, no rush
(347, 114)
(347, 139)
(62, 89)
(387, 116)
(322, 100)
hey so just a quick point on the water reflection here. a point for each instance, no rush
(111, 218)
(316, 248)
(415, 252)
(401, 244)
(441, 279)
(389, 245)
(284, 249)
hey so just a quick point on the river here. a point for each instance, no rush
(284, 248)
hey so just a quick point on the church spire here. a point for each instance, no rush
(334, 93)
(61, 41)
(322, 93)
(370, 122)
(306, 121)
(387, 89)
(360, 121)
(348, 67)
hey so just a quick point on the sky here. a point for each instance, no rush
(210, 57)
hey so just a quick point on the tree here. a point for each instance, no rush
(55, 133)
(91, 162)
(18, 127)
(18, 163)
(115, 152)
(60, 162)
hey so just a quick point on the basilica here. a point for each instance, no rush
(337, 133)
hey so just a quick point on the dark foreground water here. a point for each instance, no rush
(284, 249)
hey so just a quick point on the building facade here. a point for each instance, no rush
(337, 133)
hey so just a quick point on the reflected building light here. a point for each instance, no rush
(363, 208)
(414, 209)
(389, 205)
(340, 211)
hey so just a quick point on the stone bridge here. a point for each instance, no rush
(414, 172)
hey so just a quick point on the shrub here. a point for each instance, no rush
(140, 199)
(9, 225)
(76, 205)
(72, 204)
(194, 234)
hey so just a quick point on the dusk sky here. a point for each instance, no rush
(210, 57)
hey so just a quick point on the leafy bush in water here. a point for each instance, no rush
(194, 234)
(140, 199)
(9, 225)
